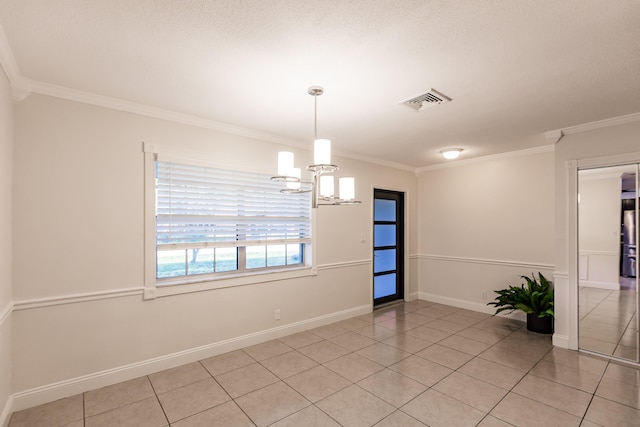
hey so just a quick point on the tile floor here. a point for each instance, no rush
(609, 321)
(412, 364)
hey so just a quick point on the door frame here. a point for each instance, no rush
(407, 296)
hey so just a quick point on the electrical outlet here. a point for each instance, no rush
(276, 314)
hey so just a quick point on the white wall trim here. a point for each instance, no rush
(502, 263)
(355, 263)
(469, 305)
(6, 312)
(507, 155)
(614, 286)
(75, 298)
(19, 85)
(561, 341)
(5, 416)
(51, 392)
(614, 121)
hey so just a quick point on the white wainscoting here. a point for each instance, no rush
(599, 269)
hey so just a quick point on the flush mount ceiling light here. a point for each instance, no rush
(451, 153)
(322, 187)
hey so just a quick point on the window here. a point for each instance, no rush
(214, 223)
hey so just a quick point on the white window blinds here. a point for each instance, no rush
(198, 207)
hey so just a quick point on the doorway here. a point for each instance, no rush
(608, 302)
(388, 246)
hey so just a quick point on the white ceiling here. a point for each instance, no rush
(514, 68)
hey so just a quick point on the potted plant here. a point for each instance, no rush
(535, 297)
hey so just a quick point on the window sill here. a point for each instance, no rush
(199, 284)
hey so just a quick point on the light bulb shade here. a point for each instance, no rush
(347, 188)
(294, 172)
(322, 152)
(326, 186)
(451, 153)
(285, 163)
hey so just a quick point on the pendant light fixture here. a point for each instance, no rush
(322, 185)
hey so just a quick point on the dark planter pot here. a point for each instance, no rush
(541, 325)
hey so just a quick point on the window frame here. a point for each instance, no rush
(154, 287)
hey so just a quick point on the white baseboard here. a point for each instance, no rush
(560, 341)
(51, 392)
(469, 305)
(5, 416)
(614, 286)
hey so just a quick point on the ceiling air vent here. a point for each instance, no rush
(429, 99)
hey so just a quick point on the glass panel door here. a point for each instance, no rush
(388, 245)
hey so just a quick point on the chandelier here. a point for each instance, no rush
(322, 185)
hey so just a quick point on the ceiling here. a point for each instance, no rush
(513, 69)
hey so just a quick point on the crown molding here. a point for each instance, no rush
(613, 121)
(507, 155)
(19, 85)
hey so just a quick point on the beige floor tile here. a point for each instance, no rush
(355, 407)
(57, 413)
(117, 395)
(246, 379)
(353, 367)
(490, 421)
(576, 360)
(353, 324)
(606, 413)
(383, 354)
(323, 351)
(225, 415)
(471, 391)
(399, 324)
(437, 410)
(392, 387)
(267, 349)
(418, 319)
(620, 392)
(483, 336)
(185, 401)
(510, 358)
(596, 345)
(400, 419)
(407, 343)
(427, 333)
(445, 356)
(352, 341)
(523, 412)
(462, 318)
(421, 370)
(623, 373)
(376, 332)
(288, 364)
(146, 413)
(301, 339)
(329, 331)
(446, 326)
(178, 377)
(317, 383)
(310, 416)
(556, 395)
(227, 362)
(493, 373)
(465, 345)
(582, 380)
(272, 403)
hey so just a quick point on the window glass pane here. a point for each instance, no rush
(256, 256)
(226, 259)
(384, 235)
(384, 210)
(171, 263)
(200, 261)
(294, 254)
(384, 260)
(384, 285)
(276, 255)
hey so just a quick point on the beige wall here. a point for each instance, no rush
(79, 251)
(483, 223)
(6, 238)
